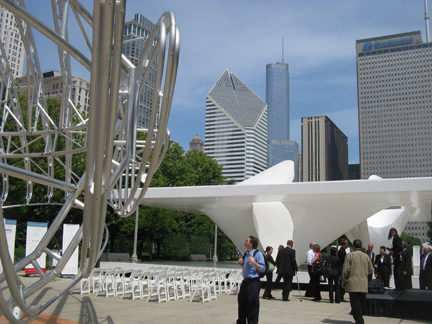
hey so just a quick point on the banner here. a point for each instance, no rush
(69, 231)
(35, 233)
(10, 228)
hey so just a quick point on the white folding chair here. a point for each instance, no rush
(86, 283)
(99, 281)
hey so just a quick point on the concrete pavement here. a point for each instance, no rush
(89, 309)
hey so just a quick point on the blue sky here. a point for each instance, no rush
(245, 35)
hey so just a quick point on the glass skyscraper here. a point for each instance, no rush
(279, 147)
(135, 35)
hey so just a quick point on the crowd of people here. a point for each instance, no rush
(345, 272)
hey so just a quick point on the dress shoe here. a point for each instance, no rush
(316, 299)
(271, 297)
(286, 299)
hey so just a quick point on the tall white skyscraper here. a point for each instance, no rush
(236, 128)
(394, 85)
(11, 41)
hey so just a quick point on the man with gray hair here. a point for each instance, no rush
(407, 268)
(356, 269)
(426, 269)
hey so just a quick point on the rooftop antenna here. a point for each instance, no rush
(282, 50)
(427, 22)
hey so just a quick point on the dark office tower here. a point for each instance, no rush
(324, 150)
(135, 35)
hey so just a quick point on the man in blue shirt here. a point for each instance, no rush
(248, 297)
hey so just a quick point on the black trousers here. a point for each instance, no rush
(408, 282)
(287, 285)
(315, 286)
(358, 306)
(424, 282)
(333, 285)
(248, 302)
(268, 289)
(308, 289)
(398, 276)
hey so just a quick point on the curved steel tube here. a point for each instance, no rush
(117, 166)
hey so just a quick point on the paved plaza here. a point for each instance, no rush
(89, 309)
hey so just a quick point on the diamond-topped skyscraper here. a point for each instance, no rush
(236, 128)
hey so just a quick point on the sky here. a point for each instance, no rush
(243, 36)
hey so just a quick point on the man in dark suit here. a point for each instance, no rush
(287, 267)
(407, 268)
(426, 269)
(371, 256)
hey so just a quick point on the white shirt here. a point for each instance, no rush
(309, 256)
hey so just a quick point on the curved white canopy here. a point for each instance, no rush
(275, 211)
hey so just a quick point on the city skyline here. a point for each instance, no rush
(319, 48)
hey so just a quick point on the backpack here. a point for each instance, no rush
(261, 274)
(327, 267)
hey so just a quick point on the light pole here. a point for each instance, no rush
(215, 258)
(134, 257)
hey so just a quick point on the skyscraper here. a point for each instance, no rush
(394, 85)
(324, 150)
(279, 147)
(11, 41)
(135, 35)
(236, 128)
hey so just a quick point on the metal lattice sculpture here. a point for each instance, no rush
(118, 166)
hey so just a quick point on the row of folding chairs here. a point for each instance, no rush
(163, 283)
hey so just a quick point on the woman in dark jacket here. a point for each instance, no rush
(269, 274)
(396, 250)
(335, 273)
(382, 265)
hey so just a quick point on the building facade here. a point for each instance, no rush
(196, 144)
(135, 35)
(277, 98)
(53, 88)
(236, 128)
(324, 150)
(11, 41)
(394, 85)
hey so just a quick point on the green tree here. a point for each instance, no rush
(429, 232)
(411, 240)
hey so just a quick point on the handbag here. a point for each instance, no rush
(317, 267)
(271, 267)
